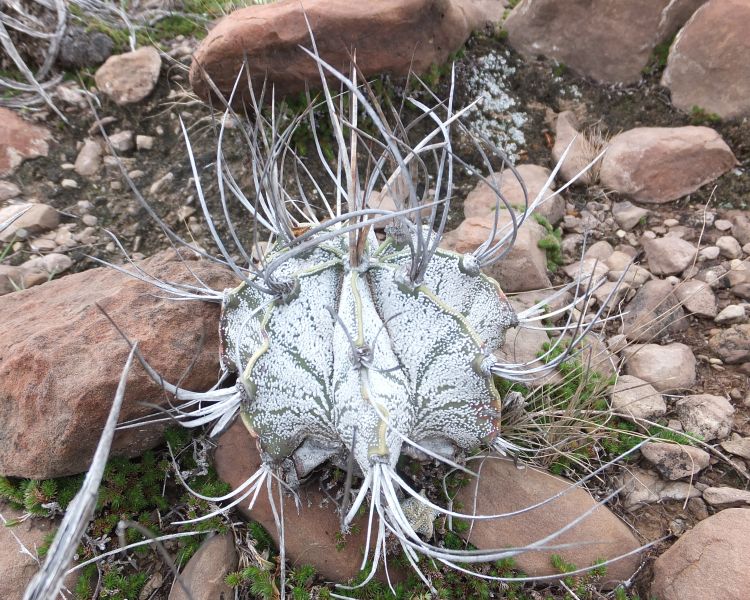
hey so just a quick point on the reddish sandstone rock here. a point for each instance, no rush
(389, 36)
(20, 140)
(60, 362)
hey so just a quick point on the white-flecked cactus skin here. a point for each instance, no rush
(361, 349)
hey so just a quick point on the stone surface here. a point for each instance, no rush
(732, 345)
(669, 255)
(61, 358)
(130, 77)
(8, 190)
(14, 278)
(391, 36)
(16, 566)
(739, 447)
(628, 215)
(706, 415)
(602, 534)
(697, 298)
(89, 158)
(80, 48)
(522, 345)
(729, 247)
(36, 218)
(668, 367)
(637, 398)
(122, 141)
(607, 40)
(709, 561)
(733, 313)
(707, 65)
(204, 574)
(726, 496)
(660, 164)
(645, 487)
(310, 535)
(581, 153)
(654, 313)
(19, 140)
(674, 461)
(482, 200)
(523, 268)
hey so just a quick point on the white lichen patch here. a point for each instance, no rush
(497, 116)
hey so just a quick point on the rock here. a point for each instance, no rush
(601, 250)
(729, 247)
(36, 218)
(741, 228)
(122, 141)
(608, 41)
(130, 77)
(674, 461)
(48, 364)
(734, 313)
(726, 496)
(669, 255)
(482, 200)
(80, 48)
(705, 415)
(709, 561)
(390, 36)
(635, 276)
(697, 298)
(602, 534)
(16, 566)
(311, 535)
(52, 264)
(581, 153)
(89, 158)
(739, 447)
(654, 313)
(8, 190)
(732, 344)
(585, 268)
(628, 215)
(738, 272)
(523, 268)
(19, 140)
(204, 574)
(668, 367)
(660, 164)
(644, 487)
(522, 345)
(637, 398)
(707, 64)
(144, 142)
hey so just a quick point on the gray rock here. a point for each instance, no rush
(660, 164)
(668, 367)
(36, 218)
(741, 228)
(130, 77)
(122, 141)
(654, 313)
(697, 298)
(8, 190)
(204, 573)
(726, 496)
(80, 48)
(144, 142)
(674, 461)
(732, 344)
(734, 313)
(89, 158)
(707, 64)
(637, 398)
(645, 487)
(709, 253)
(581, 153)
(729, 247)
(669, 255)
(52, 264)
(627, 214)
(705, 415)
(738, 447)
(709, 561)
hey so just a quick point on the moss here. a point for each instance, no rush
(700, 116)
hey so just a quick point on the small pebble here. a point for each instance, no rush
(723, 224)
(69, 184)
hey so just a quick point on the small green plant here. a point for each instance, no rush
(700, 116)
(659, 57)
(551, 243)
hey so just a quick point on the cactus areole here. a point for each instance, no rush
(356, 358)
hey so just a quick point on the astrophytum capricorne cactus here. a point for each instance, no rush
(352, 348)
